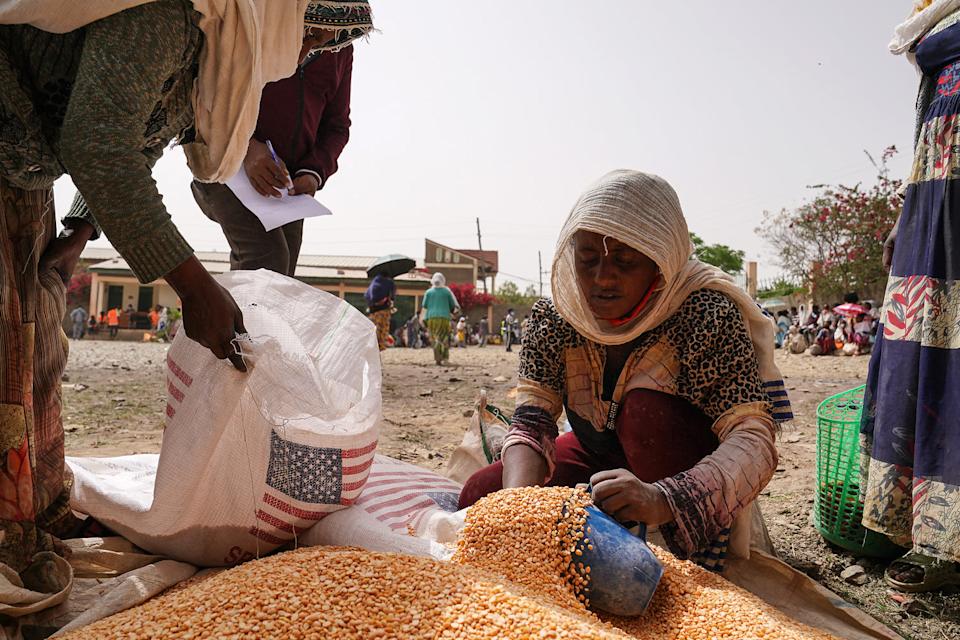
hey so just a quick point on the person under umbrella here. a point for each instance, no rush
(379, 296)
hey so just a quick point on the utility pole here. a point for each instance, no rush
(480, 246)
(540, 268)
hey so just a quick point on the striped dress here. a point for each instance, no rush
(911, 423)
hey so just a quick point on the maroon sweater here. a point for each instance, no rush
(307, 116)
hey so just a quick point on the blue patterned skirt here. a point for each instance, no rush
(911, 423)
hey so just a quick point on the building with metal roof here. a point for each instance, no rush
(113, 284)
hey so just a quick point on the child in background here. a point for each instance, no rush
(862, 332)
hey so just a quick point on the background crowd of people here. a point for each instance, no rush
(847, 328)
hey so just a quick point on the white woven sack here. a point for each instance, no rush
(251, 460)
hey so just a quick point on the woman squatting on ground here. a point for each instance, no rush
(664, 369)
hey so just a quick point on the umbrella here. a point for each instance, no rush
(391, 266)
(850, 310)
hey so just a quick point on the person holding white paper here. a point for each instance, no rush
(303, 126)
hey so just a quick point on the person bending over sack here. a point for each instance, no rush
(663, 366)
(98, 92)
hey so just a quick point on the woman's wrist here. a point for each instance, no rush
(662, 510)
(188, 278)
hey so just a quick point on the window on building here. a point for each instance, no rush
(439, 254)
(456, 257)
(447, 256)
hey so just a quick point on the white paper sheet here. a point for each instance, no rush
(274, 212)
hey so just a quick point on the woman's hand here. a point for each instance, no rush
(628, 499)
(265, 176)
(62, 253)
(888, 246)
(305, 184)
(211, 317)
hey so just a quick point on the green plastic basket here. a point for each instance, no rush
(837, 507)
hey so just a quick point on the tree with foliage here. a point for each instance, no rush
(469, 298)
(834, 241)
(719, 255)
(780, 288)
(509, 293)
(78, 290)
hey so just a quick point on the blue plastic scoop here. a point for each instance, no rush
(624, 572)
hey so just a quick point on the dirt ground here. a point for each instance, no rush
(115, 395)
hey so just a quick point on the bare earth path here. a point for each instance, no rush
(115, 396)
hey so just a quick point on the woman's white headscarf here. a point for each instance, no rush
(438, 280)
(643, 211)
(923, 17)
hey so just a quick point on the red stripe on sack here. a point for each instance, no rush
(182, 375)
(274, 521)
(420, 505)
(359, 468)
(277, 523)
(379, 503)
(299, 513)
(356, 453)
(379, 477)
(412, 521)
(413, 485)
(171, 411)
(257, 532)
(383, 488)
(172, 390)
(405, 520)
(376, 505)
(353, 486)
(415, 521)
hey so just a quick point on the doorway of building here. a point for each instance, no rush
(145, 299)
(114, 296)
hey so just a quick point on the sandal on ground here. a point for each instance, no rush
(937, 573)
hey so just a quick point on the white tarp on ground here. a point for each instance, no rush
(110, 574)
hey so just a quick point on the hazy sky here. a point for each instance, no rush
(506, 110)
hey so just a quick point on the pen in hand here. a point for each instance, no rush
(276, 161)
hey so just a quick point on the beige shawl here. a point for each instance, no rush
(643, 211)
(925, 16)
(247, 43)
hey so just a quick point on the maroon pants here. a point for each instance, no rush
(660, 435)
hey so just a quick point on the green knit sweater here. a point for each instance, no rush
(101, 104)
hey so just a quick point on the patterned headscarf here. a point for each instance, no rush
(348, 19)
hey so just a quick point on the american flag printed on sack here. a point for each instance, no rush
(403, 496)
(304, 484)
